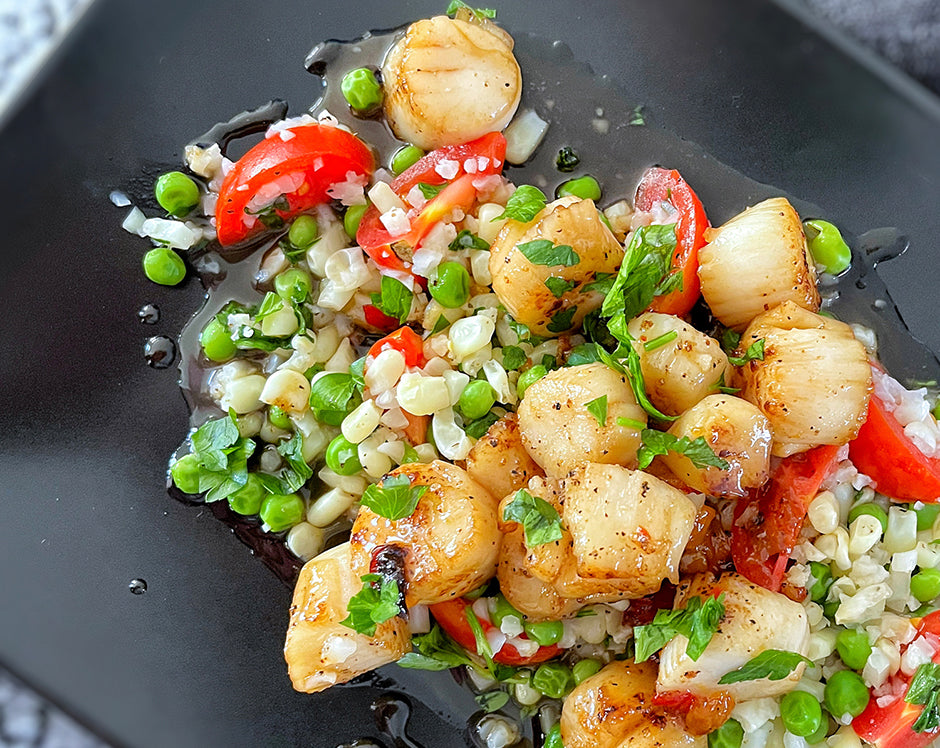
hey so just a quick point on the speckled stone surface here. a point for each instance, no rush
(906, 32)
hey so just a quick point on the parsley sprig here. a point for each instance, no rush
(697, 621)
(545, 252)
(925, 690)
(661, 442)
(538, 518)
(774, 664)
(375, 603)
(524, 204)
(394, 498)
(598, 408)
(754, 352)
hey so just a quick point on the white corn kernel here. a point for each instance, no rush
(863, 534)
(347, 269)
(384, 371)
(332, 239)
(287, 389)
(823, 512)
(329, 507)
(422, 396)
(250, 424)
(351, 484)
(451, 440)
(480, 267)
(243, 394)
(305, 540)
(342, 357)
(325, 345)
(333, 297)
(271, 433)
(315, 443)
(374, 463)
(361, 422)
(426, 452)
(456, 381)
(902, 530)
(469, 335)
(489, 225)
(281, 323)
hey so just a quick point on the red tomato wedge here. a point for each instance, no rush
(378, 319)
(666, 186)
(767, 522)
(319, 154)
(486, 154)
(404, 340)
(452, 617)
(883, 452)
(891, 726)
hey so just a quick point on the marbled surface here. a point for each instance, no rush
(906, 32)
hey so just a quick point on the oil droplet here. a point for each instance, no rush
(159, 351)
(137, 586)
(148, 314)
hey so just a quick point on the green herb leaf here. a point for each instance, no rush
(924, 690)
(297, 471)
(754, 352)
(537, 517)
(476, 429)
(646, 262)
(544, 252)
(375, 603)
(212, 439)
(513, 357)
(697, 621)
(559, 286)
(598, 408)
(630, 367)
(357, 371)
(441, 324)
(430, 191)
(522, 332)
(775, 664)
(561, 321)
(730, 340)
(586, 353)
(467, 240)
(631, 423)
(332, 396)
(220, 483)
(723, 388)
(524, 205)
(636, 116)
(394, 498)
(272, 303)
(480, 13)
(482, 643)
(661, 442)
(492, 701)
(567, 159)
(394, 300)
(659, 342)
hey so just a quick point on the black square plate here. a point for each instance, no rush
(87, 427)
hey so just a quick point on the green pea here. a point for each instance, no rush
(293, 285)
(216, 341)
(476, 399)
(925, 585)
(248, 499)
(545, 633)
(553, 737)
(342, 456)
(352, 218)
(405, 157)
(361, 90)
(529, 377)
(176, 193)
(303, 231)
(584, 669)
(820, 735)
(926, 516)
(162, 265)
(280, 511)
(853, 648)
(827, 246)
(185, 473)
(820, 577)
(451, 287)
(801, 713)
(729, 735)
(845, 693)
(278, 418)
(872, 510)
(553, 679)
(585, 187)
(502, 608)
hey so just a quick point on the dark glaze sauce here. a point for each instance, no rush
(578, 104)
